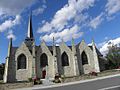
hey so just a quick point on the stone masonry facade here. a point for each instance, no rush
(30, 61)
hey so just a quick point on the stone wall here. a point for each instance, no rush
(75, 67)
(82, 68)
(67, 70)
(50, 69)
(24, 74)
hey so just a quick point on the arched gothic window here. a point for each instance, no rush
(21, 62)
(43, 60)
(84, 58)
(65, 61)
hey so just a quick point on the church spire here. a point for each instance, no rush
(30, 38)
(30, 31)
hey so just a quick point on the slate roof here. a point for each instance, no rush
(57, 49)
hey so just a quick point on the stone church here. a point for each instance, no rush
(30, 61)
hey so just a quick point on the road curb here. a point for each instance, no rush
(69, 83)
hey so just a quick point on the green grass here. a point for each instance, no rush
(1, 81)
(88, 76)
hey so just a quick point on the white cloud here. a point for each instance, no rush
(46, 27)
(65, 14)
(14, 7)
(104, 48)
(11, 35)
(96, 21)
(66, 34)
(39, 10)
(104, 45)
(10, 23)
(81, 18)
(61, 22)
(60, 19)
(112, 7)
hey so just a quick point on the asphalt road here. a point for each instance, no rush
(104, 84)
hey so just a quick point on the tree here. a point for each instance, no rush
(113, 57)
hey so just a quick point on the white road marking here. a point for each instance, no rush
(110, 87)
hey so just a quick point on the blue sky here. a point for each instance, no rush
(61, 19)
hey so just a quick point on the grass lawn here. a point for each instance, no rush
(88, 76)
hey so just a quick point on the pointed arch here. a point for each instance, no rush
(64, 58)
(84, 58)
(43, 60)
(21, 62)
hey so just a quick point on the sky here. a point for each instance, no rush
(61, 19)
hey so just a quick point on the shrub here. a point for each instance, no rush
(30, 79)
(37, 81)
(57, 81)
(57, 78)
(93, 73)
(119, 67)
(113, 57)
(62, 76)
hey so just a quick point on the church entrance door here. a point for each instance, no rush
(43, 64)
(43, 74)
